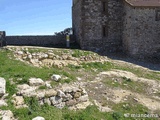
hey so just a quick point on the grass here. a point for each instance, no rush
(130, 107)
(14, 69)
(126, 84)
(79, 53)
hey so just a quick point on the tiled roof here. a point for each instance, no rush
(144, 3)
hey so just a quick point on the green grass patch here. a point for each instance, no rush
(15, 69)
(126, 84)
(79, 53)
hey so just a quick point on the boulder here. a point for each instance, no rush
(55, 77)
(36, 82)
(47, 101)
(60, 105)
(77, 95)
(48, 85)
(71, 102)
(29, 92)
(83, 98)
(3, 103)
(55, 100)
(50, 93)
(2, 86)
(6, 115)
(40, 94)
(19, 100)
(60, 94)
(83, 105)
(23, 87)
(38, 118)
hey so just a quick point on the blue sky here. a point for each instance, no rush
(34, 17)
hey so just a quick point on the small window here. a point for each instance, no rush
(157, 15)
(104, 31)
(105, 6)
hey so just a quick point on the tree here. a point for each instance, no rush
(67, 31)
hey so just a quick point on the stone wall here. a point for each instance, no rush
(93, 18)
(77, 20)
(141, 35)
(2, 38)
(48, 40)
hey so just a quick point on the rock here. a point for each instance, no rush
(76, 89)
(84, 92)
(50, 93)
(79, 79)
(60, 94)
(48, 85)
(6, 115)
(44, 55)
(77, 95)
(19, 100)
(38, 118)
(64, 57)
(34, 62)
(71, 102)
(66, 89)
(3, 103)
(50, 55)
(30, 92)
(55, 100)
(40, 94)
(55, 77)
(83, 105)
(41, 102)
(36, 82)
(29, 56)
(83, 98)
(2, 86)
(20, 52)
(60, 105)
(23, 87)
(102, 108)
(67, 97)
(47, 101)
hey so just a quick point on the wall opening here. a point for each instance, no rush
(105, 7)
(104, 31)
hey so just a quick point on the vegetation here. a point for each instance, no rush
(16, 72)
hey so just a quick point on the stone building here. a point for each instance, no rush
(114, 25)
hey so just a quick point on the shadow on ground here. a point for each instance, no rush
(150, 64)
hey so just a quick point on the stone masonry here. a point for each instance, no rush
(90, 21)
(118, 25)
(2, 38)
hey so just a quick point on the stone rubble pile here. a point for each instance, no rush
(49, 58)
(72, 95)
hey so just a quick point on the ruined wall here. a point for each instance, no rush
(93, 18)
(48, 40)
(141, 32)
